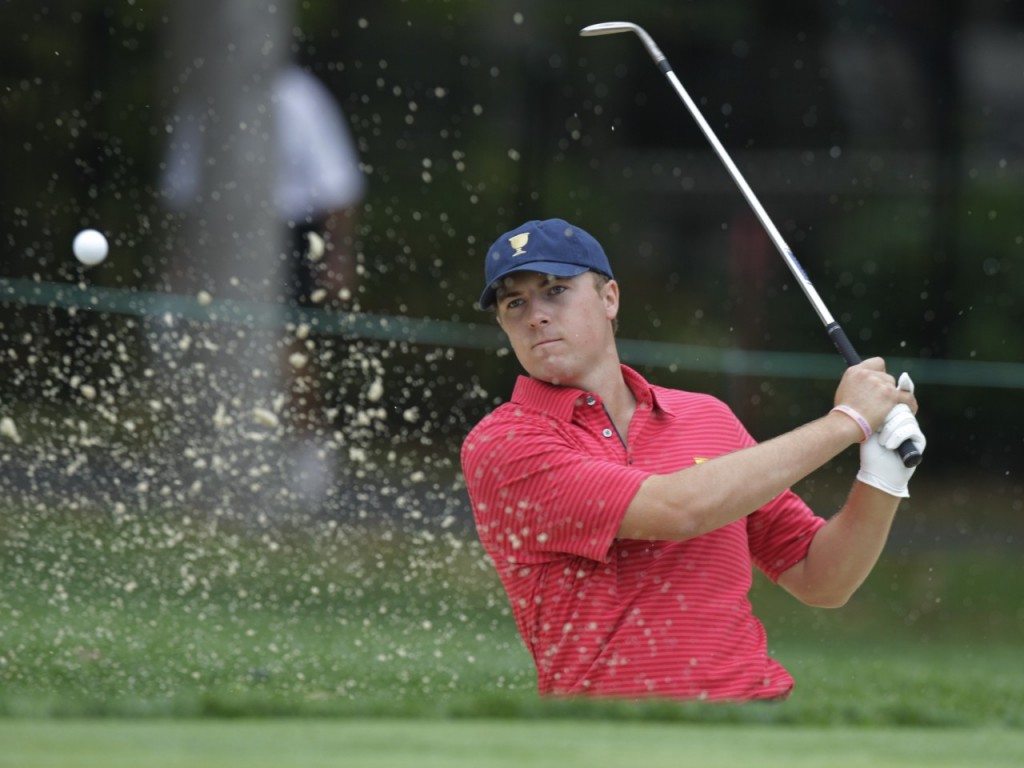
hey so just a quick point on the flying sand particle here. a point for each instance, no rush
(9, 429)
(221, 418)
(316, 246)
(265, 417)
(376, 391)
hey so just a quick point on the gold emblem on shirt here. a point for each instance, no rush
(699, 459)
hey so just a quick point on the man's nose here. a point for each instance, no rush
(538, 316)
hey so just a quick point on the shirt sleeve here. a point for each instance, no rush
(780, 533)
(318, 164)
(537, 495)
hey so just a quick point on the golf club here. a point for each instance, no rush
(908, 452)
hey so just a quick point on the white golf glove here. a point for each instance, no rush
(880, 465)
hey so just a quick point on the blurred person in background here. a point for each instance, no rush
(317, 180)
(317, 186)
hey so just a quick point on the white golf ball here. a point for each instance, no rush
(90, 247)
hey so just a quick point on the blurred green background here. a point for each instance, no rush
(883, 140)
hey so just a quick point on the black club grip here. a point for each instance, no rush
(907, 450)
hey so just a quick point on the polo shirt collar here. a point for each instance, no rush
(559, 402)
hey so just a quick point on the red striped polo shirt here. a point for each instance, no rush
(549, 480)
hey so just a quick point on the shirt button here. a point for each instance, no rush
(591, 399)
(606, 432)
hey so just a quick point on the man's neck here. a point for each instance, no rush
(619, 400)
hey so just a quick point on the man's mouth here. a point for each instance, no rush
(544, 342)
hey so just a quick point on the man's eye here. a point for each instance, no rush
(556, 289)
(513, 303)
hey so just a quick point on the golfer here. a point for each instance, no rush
(624, 518)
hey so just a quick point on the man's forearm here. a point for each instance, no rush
(844, 550)
(703, 498)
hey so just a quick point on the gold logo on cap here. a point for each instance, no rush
(519, 242)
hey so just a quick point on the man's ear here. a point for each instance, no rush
(610, 295)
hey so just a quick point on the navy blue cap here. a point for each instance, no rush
(551, 247)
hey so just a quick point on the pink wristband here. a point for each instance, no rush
(853, 414)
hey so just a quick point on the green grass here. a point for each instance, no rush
(490, 744)
(157, 615)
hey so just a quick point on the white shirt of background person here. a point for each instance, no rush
(317, 165)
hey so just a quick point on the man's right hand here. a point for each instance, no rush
(871, 392)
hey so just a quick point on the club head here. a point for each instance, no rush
(615, 27)
(609, 28)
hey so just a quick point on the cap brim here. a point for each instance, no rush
(556, 268)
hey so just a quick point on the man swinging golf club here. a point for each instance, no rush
(623, 517)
